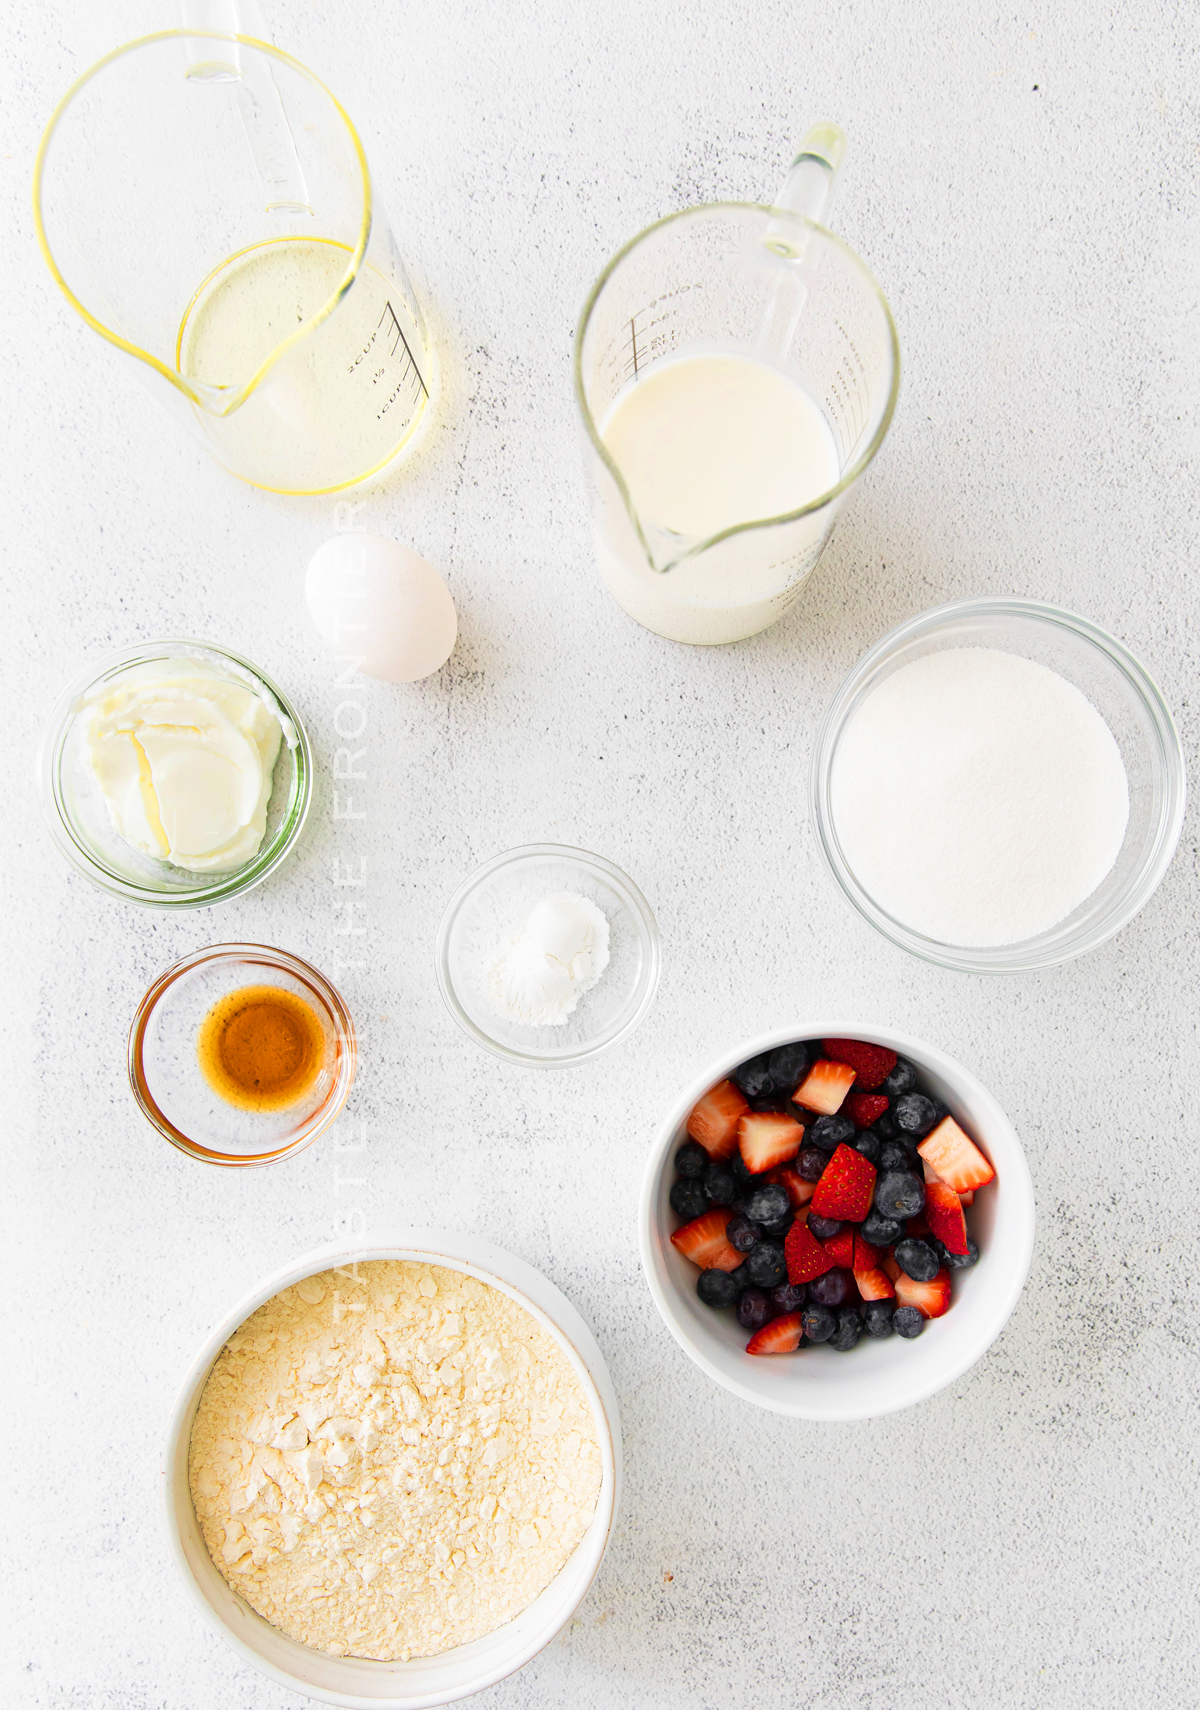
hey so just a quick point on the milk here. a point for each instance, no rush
(705, 443)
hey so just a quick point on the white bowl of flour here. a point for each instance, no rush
(220, 1496)
(998, 786)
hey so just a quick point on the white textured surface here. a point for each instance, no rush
(1023, 1540)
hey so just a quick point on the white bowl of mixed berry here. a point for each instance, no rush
(836, 1221)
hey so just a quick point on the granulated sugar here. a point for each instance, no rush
(392, 1465)
(978, 797)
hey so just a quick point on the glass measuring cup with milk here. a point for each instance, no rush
(736, 370)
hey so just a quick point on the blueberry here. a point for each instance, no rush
(691, 1159)
(754, 1077)
(885, 1126)
(958, 1261)
(894, 1156)
(899, 1194)
(789, 1297)
(818, 1322)
(688, 1198)
(830, 1289)
(789, 1065)
(824, 1228)
(767, 1265)
(914, 1113)
(738, 1202)
(907, 1321)
(777, 1230)
(720, 1185)
(768, 1203)
(738, 1165)
(828, 1132)
(881, 1231)
(869, 1144)
(902, 1079)
(940, 1111)
(849, 1329)
(917, 1259)
(755, 1309)
(743, 1234)
(811, 1163)
(741, 1277)
(768, 1101)
(716, 1288)
(877, 1318)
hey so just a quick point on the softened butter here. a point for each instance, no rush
(184, 758)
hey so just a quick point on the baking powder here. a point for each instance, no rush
(543, 971)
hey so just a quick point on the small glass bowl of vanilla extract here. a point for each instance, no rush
(241, 1054)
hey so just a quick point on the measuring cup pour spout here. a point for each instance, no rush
(736, 369)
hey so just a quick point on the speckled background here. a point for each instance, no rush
(1024, 183)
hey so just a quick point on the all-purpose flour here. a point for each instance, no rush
(390, 1467)
(978, 797)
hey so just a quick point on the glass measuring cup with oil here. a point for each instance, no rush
(736, 370)
(204, 203)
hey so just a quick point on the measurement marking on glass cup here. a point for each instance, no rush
(633, 345)
(401, 340)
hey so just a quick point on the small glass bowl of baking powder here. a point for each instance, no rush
(1128, 701)
(77, 817)
(494, 905)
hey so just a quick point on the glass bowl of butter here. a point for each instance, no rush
(175, 774)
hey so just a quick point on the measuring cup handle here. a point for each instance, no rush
(213, 60)
(808, 187)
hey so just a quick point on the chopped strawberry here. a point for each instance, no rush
(889, 1267)
(806, 1258)
(918, 1226)
(967, 1198)
(846, 1186)
(874, 1284)
(866, 1257)
(945, 1217)
(766, 1138)
(864, 1108)
(840, 1248)
(929, 1172)
(824, 1087)
(955, 1157)
(931, 1298)
(780, 1336)
(703, 1242)
(799, 1191)
(714, 1119)
(872, 1063)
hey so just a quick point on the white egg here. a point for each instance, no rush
(381, 607)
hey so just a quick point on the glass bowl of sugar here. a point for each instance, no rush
(998, 786)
